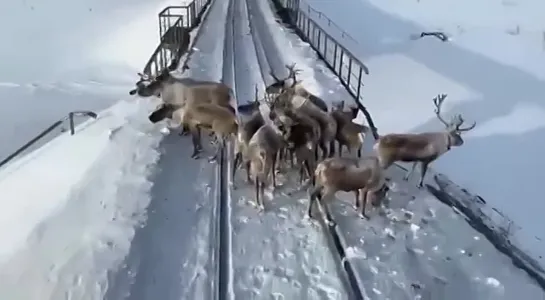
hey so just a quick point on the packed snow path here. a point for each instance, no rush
(279, 254)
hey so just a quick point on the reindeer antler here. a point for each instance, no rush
(438, 102)
(271, 72)
(292, 70)
(458, 120)
(256, 99)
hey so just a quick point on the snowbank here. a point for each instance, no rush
(74, 205)
(491, 74)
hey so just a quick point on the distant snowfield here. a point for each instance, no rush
(493, 71)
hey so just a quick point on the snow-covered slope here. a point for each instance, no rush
(492, 73)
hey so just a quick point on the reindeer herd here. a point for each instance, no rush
(292, 126)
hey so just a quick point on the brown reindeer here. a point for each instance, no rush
(423, 148)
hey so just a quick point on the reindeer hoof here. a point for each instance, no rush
(331, 223)
(196, 154)
(364, 216)
(212, 158)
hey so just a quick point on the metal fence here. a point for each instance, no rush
(339, 59)
(175, 23)
(58, 123)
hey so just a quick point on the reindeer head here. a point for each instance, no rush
(252, 106)
(280, 105)
(155, 85)
(163, 111)
(281, 84)
(454, 127)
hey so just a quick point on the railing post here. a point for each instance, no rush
(349, 71)
(71, 120)
(193, 14)
(335, 56)
(359, 84)
(325, 47)
(319, 38)
(341, 65)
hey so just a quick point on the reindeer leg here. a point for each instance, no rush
(316, 192)
(332, 148)
(357, 193)
(309, 171)
(257, 199)
(363, 197)
(359, 152)
(219, 148)
(248, 172)
(324, 150)
(236, 163)
(292, 158)
(195, 137)
(274, 171)
(423, 170)
(262, 192)
(325, 205)
(410, 172)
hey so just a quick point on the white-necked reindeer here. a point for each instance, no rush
(423, 148)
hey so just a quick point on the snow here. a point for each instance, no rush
(74, 202)
(491, 74)
(139, 220)
(63, 239)
(87, 65)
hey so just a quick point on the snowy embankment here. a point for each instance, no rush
(71, 206)
(492, 71)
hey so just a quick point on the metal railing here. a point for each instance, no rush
(175, 23)
(339, 59)
(69, 117)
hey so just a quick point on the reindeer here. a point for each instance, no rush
(301, 143)
(365, 178)
(261, 156)
(287, 103)
(247, 130)
(423, 148)
(178, 91)
(348, 134)
(291, 82)
(221, 121)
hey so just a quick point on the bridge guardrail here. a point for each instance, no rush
(58, 123)
(175, 23)
(339, 59)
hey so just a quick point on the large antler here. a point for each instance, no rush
(293, 71)
(458, 121)
(438, 102)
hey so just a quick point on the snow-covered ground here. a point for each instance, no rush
(70, 207)
(493, 71)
